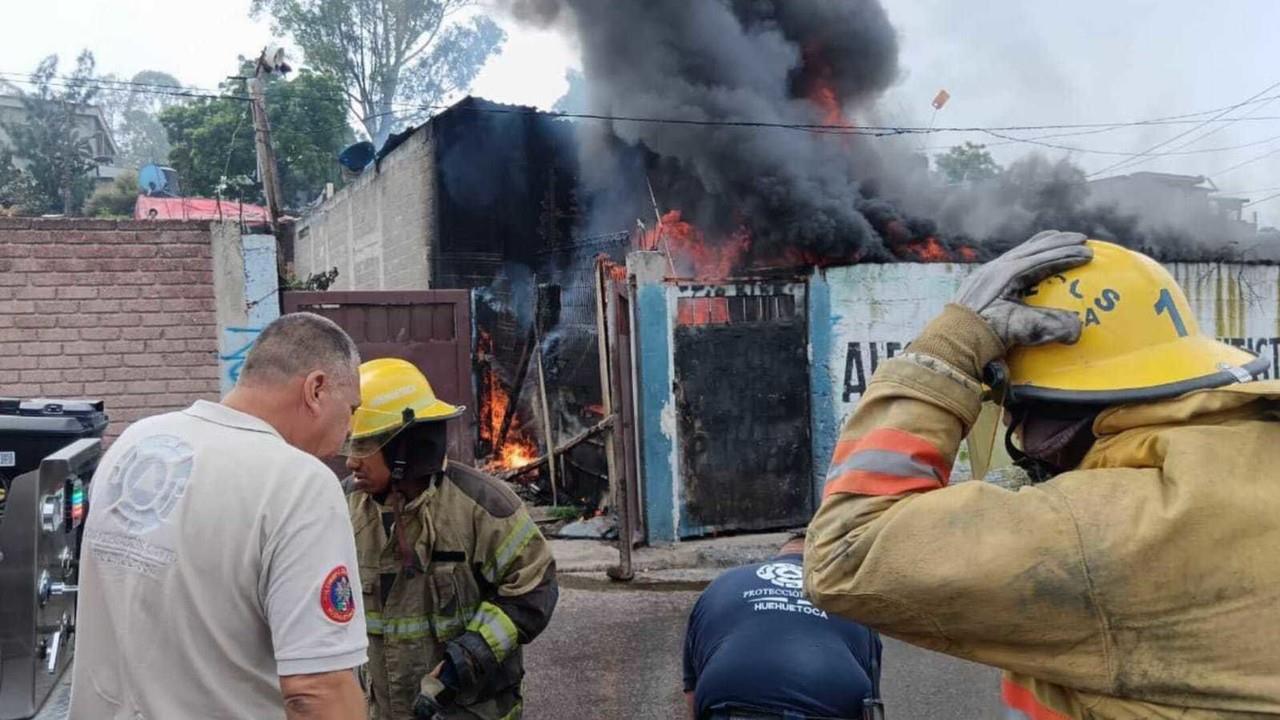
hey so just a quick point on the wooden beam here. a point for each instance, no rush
(568, 445)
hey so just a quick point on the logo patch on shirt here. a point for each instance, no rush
(336, 598)
(782, 574)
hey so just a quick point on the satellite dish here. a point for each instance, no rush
(157, 181)
(357, 157)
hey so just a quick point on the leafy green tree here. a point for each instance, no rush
(52, 141)
(213, 139)
(967, 163)
(133, 110)
(389, 53)
(17, 187)
(114, 200)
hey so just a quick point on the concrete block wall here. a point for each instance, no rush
(378, 230)
(117, 310)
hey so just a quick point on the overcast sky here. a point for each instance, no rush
(1005, 62)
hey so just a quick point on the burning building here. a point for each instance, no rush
(485, 197)
(775, 251)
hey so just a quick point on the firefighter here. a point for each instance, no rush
(456, 576)
(1137, 576)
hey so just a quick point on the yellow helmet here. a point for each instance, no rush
(1140, 339)
(393, 395)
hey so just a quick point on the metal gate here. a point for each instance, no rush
(429, 328)
(742, 407)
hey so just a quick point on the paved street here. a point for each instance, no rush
(613, 650)
(613, 653)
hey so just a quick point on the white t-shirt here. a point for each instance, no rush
(217, 558)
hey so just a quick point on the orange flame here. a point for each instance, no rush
(819, 88)
(517, 450)
(930, 250)
(691, 253)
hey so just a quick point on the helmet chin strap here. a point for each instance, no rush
(1038, 470)
(400, 463)
(399, 466)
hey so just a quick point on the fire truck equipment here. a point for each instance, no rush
(48, 452)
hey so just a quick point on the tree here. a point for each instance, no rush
(213, 144)
(116, 199)
(967, 163)
(50, 141)
(389, 53)
(17, 187)
(133, 108)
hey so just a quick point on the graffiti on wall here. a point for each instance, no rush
(878, 310)
(862, 358)
(237, 341)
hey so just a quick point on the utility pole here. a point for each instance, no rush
(270, 61)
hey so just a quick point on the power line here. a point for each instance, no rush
(1144, 154)
(873, 130)
(95, 85)
(1249, 192)
(1250, 161)
(998, 132)
(1225, 125)
(1258, 202)
(1185, 119)
(107, 81)
(1172, 153)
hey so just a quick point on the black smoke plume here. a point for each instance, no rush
(810, 197)
(795, 62)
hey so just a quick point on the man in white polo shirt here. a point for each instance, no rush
(219, 564)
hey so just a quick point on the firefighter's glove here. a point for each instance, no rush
(433, 699)
(992, 291)
(471, 661)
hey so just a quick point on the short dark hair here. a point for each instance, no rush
(298, 344)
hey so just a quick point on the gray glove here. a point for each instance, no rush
(992, 291)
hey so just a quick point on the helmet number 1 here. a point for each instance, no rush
(1165, 304)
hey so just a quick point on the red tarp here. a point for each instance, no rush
(198, 209)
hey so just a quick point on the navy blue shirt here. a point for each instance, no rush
(755, 642)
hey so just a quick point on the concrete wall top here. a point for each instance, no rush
(378, 230)
(100, 224)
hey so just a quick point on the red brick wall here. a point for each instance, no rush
(121, 311)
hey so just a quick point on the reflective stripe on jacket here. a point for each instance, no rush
(1145, 584)
(480, 566)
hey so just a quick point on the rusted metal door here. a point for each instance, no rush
(742, 407)
(429, 328)
(620, 391)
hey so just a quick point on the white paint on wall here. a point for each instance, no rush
(876, 310)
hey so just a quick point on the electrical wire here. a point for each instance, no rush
(1243, 163)
(1001, 133)
(1249, 192)
(872, 130)
(1259, 202)
(1145, 156)
(1171, 153)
